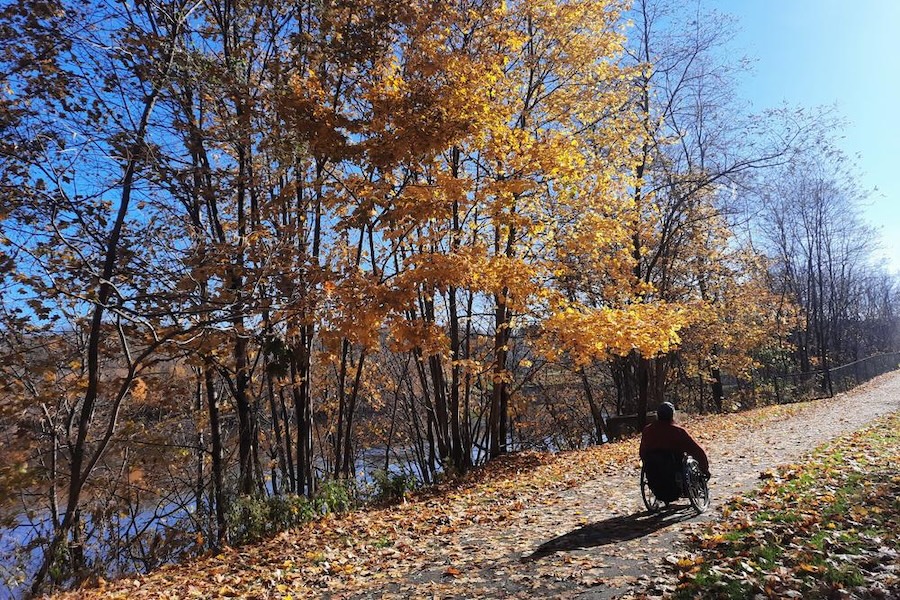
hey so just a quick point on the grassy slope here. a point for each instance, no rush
(828, 528)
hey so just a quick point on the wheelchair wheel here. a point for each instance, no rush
(696, 488)
(650, 500)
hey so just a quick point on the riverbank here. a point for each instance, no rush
(530, 525)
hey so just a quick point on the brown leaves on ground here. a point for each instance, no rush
(371, 550)
(825, 529)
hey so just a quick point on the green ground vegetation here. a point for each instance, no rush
(824, 528)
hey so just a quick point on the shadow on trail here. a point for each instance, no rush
(613, 530)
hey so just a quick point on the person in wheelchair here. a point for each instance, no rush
(663, 446)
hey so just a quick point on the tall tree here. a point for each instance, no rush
(823, 252)
(694, 142)
(78, 186)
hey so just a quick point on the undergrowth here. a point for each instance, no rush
(825, 529)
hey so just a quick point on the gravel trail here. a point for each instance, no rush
(595, 541)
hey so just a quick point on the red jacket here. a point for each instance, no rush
(672, 438)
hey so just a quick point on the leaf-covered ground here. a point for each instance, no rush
(827, 528)
(530, 525)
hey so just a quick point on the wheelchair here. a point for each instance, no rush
(666, 477)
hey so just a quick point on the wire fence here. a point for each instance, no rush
(824, 383)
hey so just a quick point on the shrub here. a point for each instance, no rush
(252, 518)
(336, 496)
(390, 487)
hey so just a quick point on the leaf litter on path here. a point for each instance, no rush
(527, 525)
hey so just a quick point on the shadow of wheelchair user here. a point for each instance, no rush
(613, 530)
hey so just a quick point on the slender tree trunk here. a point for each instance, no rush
(342, 406)
(288, 446)
(467, 434)
(280, 442)
(497, 415)
(303, 416)
(439, 386)
(718, 390)
(218, 452)
(200, 441)
(596, 413)
(643, 381)
(246, 428)
(457, 452)
(245, 412)
(460, 457)
(346, 468)
(79, 471)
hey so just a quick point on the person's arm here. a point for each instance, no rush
(694, 449)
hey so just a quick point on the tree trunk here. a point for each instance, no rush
(497, 415)
(200, 441)
(718, 392)
(346, 467)
(79, 472)
(218, 453)
(303, 416)
(596, 413)
(280, 443)
(643, 382)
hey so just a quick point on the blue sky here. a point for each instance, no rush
(833, 52)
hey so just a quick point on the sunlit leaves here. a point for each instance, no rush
(812, 529)
(590, 335)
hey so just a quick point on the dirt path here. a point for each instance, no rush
(531, 526)
(594, 540)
